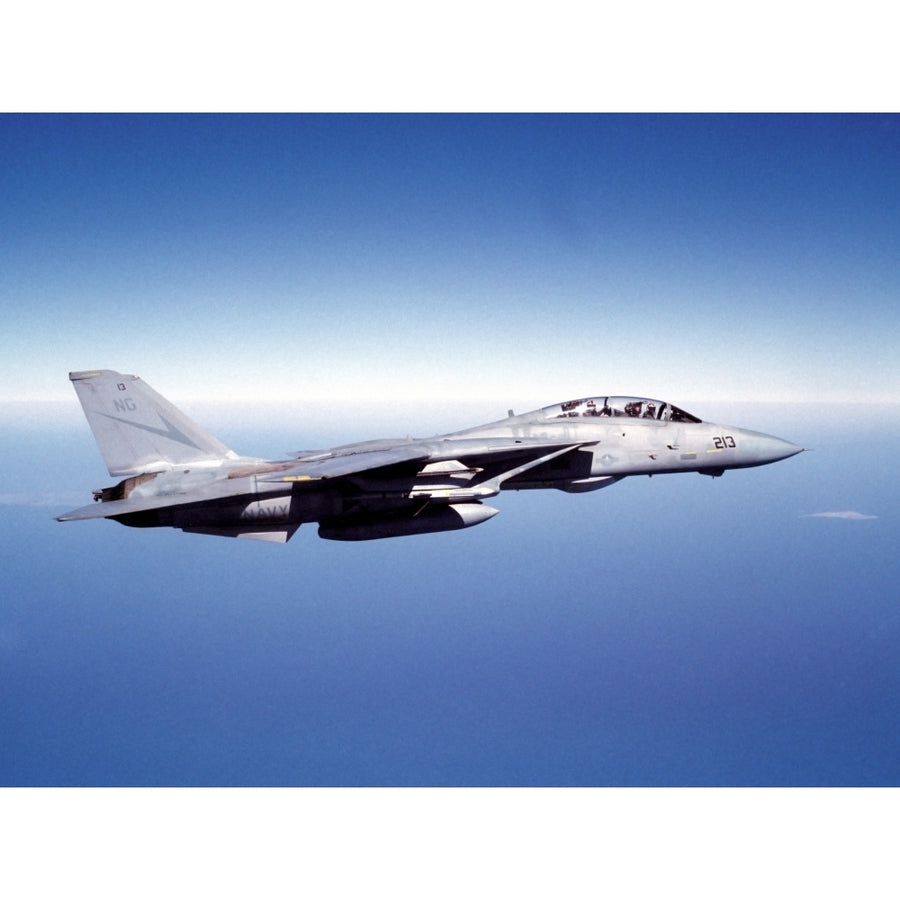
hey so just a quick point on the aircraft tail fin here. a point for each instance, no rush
(138, 430)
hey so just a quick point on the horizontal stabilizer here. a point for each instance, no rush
(110, 509)
(113, 508)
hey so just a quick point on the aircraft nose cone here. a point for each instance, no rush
(767, 449)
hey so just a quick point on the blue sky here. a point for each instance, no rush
(486, 261)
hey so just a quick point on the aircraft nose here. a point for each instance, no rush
(765, 448)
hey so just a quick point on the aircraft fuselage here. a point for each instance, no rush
(179, 476)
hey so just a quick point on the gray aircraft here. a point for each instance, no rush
(176, 474)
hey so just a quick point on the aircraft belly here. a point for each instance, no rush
(265, 510)
(428, 520)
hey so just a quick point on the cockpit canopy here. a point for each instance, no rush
(612, 407)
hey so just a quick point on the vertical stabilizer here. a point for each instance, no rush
(138, 430)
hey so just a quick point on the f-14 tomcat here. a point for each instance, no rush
(176, 474)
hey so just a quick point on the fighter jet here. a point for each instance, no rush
(175, 474)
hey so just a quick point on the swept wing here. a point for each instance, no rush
(479, 452)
